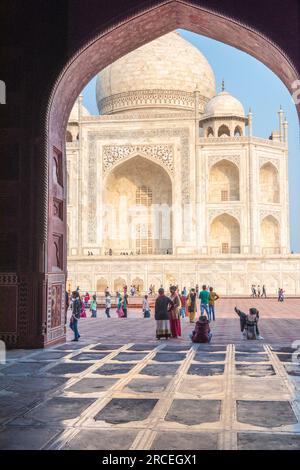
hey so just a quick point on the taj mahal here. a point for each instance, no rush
(168, 184)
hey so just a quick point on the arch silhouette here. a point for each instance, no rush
(94, 53)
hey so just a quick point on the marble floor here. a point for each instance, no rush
(119, 388)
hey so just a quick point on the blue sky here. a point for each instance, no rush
(257, 87)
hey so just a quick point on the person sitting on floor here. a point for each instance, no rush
(201, 333)
(249, 323)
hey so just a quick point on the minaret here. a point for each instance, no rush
(285, 130)
(280, 114)
(250, 123)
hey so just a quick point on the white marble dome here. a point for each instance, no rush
(162, 73)
(224, 104)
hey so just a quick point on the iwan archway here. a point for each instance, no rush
(91, 56)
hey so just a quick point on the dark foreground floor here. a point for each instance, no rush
(112, 392)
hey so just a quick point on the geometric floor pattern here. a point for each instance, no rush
(119, 388)
(151, 396)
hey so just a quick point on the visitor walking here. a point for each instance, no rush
(258, 291)
(280, 295)
(146, 307)
(264, 292)
(183, 304)
(93, 306)
(125, 304)
(211, 306)
(204, 301)
(107, 304)
(76, 313)
(162, 305)
(202, 332)
(175, 313)
(192, 305)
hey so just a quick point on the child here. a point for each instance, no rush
(249, 323)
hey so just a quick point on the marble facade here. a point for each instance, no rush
(165, 134)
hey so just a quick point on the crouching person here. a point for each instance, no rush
(201, 333)
(249, 324)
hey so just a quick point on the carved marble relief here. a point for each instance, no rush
(56, 300)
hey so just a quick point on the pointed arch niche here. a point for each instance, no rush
(224, 182)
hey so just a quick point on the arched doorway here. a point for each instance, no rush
(137, 191)
(224, 235)
(269, 184)
(101, 285)
(224, 184)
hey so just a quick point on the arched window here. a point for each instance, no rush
(223, 131)
(69, 137)
(269, 184)
(209, 132)
(238, 131)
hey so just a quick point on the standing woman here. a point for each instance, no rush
(183, 303)
(119, 305)
(192, 305)
(175, 313)
(162, 304)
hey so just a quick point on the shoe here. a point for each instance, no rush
(260, 337)
(74, 340)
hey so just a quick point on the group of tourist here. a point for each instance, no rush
(258, 292)
(168, 312)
